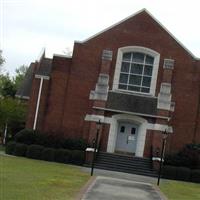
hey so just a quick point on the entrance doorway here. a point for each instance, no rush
(126, 138)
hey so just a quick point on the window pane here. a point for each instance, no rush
(122, 129)
(123, 87)
(125, 67)
(145, 90)
(133, 88)
(136, 68)
(148, 70)
(126, 57)
(138, 57)
(146, 81)
(133, 131)
(149, 60)
(135, 80)
(123, 78)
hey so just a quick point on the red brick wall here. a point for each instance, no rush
(68, 98)
(57, 95)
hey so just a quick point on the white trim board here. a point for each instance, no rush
(131, 113)
(42, 76)
(159, 23)
(108, 120)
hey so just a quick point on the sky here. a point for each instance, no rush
(28, 26)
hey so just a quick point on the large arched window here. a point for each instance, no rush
(136, 70)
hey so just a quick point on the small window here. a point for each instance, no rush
(133, 130)
(122, 129)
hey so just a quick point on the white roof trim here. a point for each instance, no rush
(110, 27)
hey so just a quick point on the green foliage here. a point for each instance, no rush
(2, 60)
(20, 149)
(78, 157)
(189, 156)
(26, 136)
(74, 144)
(10, 147)
(169, 171)
(183, 173)
(34, 151)
(48, 154)
(195, 175)
(7, 86)
(62, 155)
(20, 74)
(13, 113)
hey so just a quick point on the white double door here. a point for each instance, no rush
(126, 137)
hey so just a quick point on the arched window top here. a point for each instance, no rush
(136, 70)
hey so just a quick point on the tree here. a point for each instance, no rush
(7, 86)
(2, 60)
(20, 75)
(12, 110)
(12, 116)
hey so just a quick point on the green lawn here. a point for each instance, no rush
(2, 148)
(26, 179)
(177, 190)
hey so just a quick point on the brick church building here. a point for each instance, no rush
(135, 77)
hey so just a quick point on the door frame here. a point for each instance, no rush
(142, 127)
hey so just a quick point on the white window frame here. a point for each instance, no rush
(138, 49)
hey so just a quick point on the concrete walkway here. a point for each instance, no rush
(111, 185)
(106, 188)
(121, 175)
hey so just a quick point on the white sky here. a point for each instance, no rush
(26, 26)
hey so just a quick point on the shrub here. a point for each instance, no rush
(195, 175)
(189, 156)
(10, 147)
(78, 157)
(48, 154)
(20, 149)
(34, 151)
(183, 173)
(74, 144)
(62, 155)
(169, 172)
(25, 136)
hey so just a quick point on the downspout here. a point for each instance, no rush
(38, 103)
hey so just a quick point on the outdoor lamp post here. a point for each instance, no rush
(164, 140)
(98, 124)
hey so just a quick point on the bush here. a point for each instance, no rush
(10, 147)
(20, 149)
(189, 156)
(183, 173)
(78, 157)
(195, 175)
(74, 144)
(169, 172)
(62, 155)
(34, 151)
(25, 136)
(48, 154)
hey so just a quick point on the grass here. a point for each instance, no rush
(2, 148)
(177, 190)
(22, 179)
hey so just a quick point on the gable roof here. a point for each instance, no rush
(131, 16)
